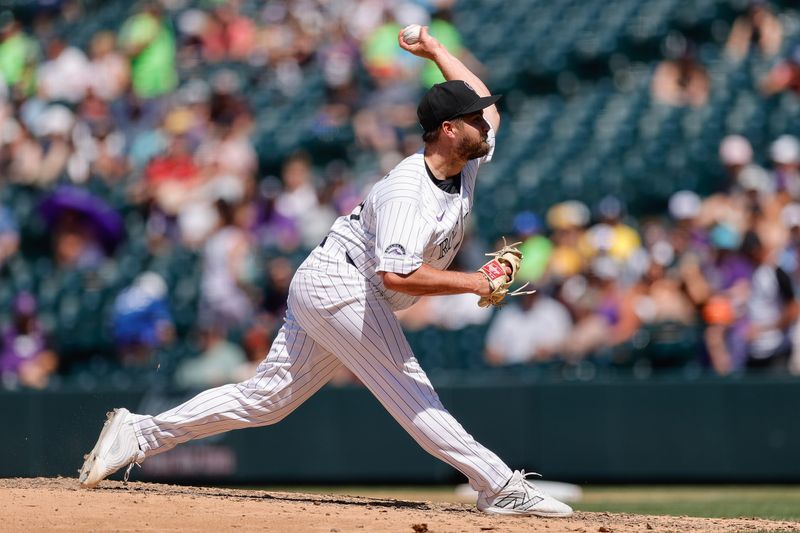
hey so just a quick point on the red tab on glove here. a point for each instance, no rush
(494, 270)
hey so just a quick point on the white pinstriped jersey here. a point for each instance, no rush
(340, 315)
(405, 221)
(336, 318)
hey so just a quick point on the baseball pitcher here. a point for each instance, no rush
(392, 249)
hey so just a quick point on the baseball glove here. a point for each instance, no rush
(495, 272)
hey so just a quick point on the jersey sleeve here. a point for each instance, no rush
(401, 234)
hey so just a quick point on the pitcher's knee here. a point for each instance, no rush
(269, 406)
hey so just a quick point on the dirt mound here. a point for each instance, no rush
(58, 504)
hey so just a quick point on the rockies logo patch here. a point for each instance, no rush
(395, 249)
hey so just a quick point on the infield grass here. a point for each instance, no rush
(777, 502)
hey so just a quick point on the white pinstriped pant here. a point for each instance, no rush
(335, 317)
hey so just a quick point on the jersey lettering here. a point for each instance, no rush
(447, 244)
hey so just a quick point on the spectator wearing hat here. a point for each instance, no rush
(785, 154)
(659, 295)
(735, 153)
(84, 229)
(687, 236)
(42, 151)
(757, 184)
(690, 244)
(720, 288)
(25, 356)
(567, 221)
(684, 206)
(536, 248)
(141, 322)
(728, 267)
(763, 206)
(611, 235)
(748, 197)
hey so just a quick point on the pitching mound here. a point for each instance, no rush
(43, 504)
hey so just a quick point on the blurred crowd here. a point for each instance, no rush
(154, 119)
(682, 80)
(723, 271)
(143, 138)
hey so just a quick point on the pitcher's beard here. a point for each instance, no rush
(468, 149)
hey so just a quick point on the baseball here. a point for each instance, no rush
(411, 33)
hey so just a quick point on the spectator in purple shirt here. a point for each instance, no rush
(720, 287)
(25, 358)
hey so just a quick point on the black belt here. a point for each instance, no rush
(346, 255)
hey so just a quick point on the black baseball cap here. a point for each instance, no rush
(448, 100)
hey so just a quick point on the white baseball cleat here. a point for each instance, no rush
(116, 447)
(521, 497)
